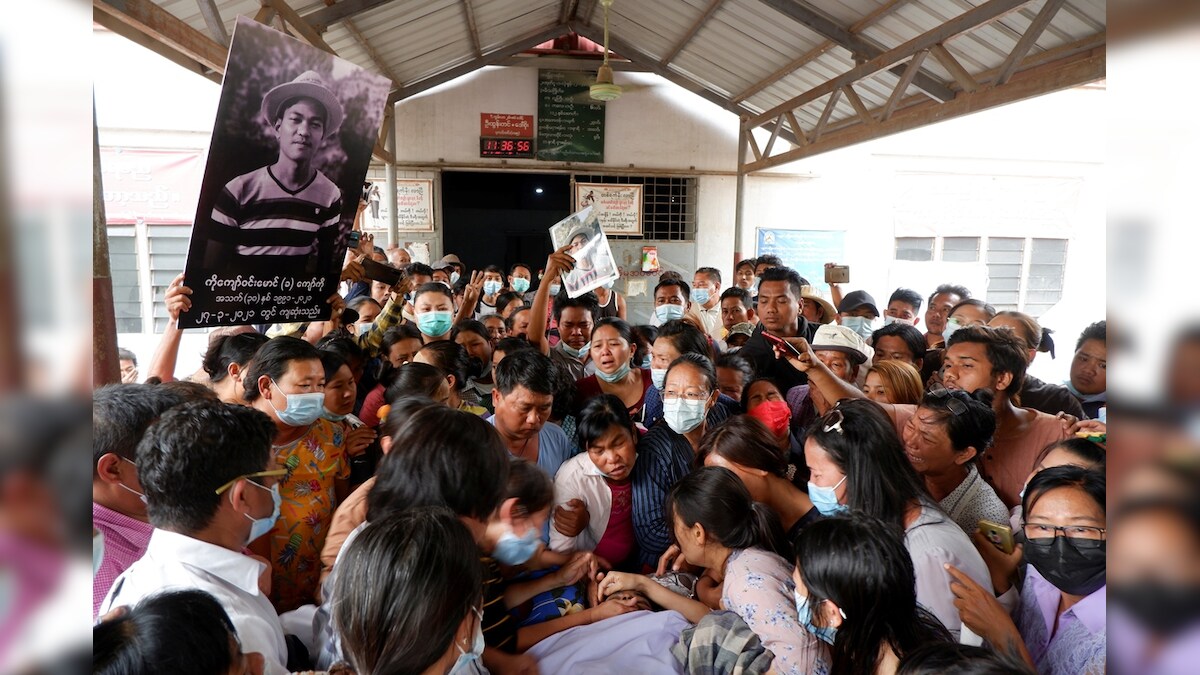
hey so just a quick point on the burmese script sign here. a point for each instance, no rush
(618, 207)
(414, 204)
(504, 125)
(570, 125)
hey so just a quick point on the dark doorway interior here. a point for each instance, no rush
(502, 218)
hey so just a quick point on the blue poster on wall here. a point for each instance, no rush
(805, 251)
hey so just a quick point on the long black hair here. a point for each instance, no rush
(716, 498)
(880, 481)
(452, 358)
(861, 564)
(231, 349)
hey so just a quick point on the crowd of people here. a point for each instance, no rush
(471, 471)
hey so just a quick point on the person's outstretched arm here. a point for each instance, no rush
(162, 364)
(556, 264)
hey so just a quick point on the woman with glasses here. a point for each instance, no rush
(418, 574)
(667, 452)
(942, 440)
(858, 464)
(1060, 617)
(286, 380)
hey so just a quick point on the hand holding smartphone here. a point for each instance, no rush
(380, 272)
(837, 274)
(776, 341)
(1001, 536)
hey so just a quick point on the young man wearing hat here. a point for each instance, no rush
(287, 210)
(858, 312)
(816, 308)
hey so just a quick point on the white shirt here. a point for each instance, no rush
(712, 321)
(934, 540)
(578, 478)
(177, 562)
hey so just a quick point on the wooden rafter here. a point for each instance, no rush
(861, 47)
(322, 19)
(1035, 30)
(212, 19)
(857, 102)
(712, 8)
(1046, 76)
(964, 79)
(264, 15)
(497, 55)
(906, 80)
(830, 105)
(814, 53)
(155, 28)
(297, 22)
(382, 65)
(472, 28)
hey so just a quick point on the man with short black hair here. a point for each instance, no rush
(941, 301)
(209, 493)
(1089, 378)
(706, 296)
(904, 306)
(733, 373)
(899, 342)
(736, 307)
(743, 274)
(128, 362)
(523, 398)
(766, 262)
(120, 416)
(672, 299)
(779, 314)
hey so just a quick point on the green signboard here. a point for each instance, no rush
(570, 125)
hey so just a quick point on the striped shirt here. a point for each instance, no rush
(663, 457)
(268, 219)
(499, 627)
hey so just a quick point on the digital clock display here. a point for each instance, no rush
(506, 147)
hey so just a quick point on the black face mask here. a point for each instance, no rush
(1163, 609)
(1074, 566)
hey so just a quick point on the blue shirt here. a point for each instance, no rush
(663, 458)
(553, 447)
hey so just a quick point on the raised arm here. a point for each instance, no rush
(832, 387)
(162, 364)
(556, 264)
(471, 295)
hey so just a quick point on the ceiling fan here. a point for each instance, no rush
(603, 88)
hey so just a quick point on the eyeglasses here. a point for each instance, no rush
(833, 421)
(260, 474)
(670, 395)
(952, 402)
(1082, 536)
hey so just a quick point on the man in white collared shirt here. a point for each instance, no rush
(203, 468)
(706, 299)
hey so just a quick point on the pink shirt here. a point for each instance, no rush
(125, 541)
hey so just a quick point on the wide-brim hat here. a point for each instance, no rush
(308, 85)
(586, 230)
(451, 259)
(837, 338)
(828, 312)
(743, 328)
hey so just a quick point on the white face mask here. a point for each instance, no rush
(683, 415)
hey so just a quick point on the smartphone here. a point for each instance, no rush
(781, 343)
(380, 272)
(353, 239)
(1000, 535)
(837, 274)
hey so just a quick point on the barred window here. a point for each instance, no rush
(668, 205)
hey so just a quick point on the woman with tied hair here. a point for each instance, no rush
(225, 363)
(745, 446)
(942, 440)
(858, 464)
(453, 360)
(410, 590)
(1048, 398)
(893, 382)
(855, 591)
(719, 527)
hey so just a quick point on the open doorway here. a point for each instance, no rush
(502, 218)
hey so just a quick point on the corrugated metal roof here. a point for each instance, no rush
(735, 52)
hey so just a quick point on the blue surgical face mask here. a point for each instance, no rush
(825, 498)
(952, 325)
(860, 324)
(700, 295)
(889, 320)
(492, 287)
(616, 376)
(364, 328)
(520, 284)
(434, 324)
(646, 362)
(261, 526)
(514, 550)
(609, 284)
(683, 415)
(572, 352)
(668, 312)
(804, 613)
(301, 409)
(454, 277)
(658, 376)
(463, 664)
(328, 414)
(555, 288)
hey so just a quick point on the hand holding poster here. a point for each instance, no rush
(293, 137)
(594, 263)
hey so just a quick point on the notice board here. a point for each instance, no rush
(570, 128)
(805, 251)
(619, 207)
